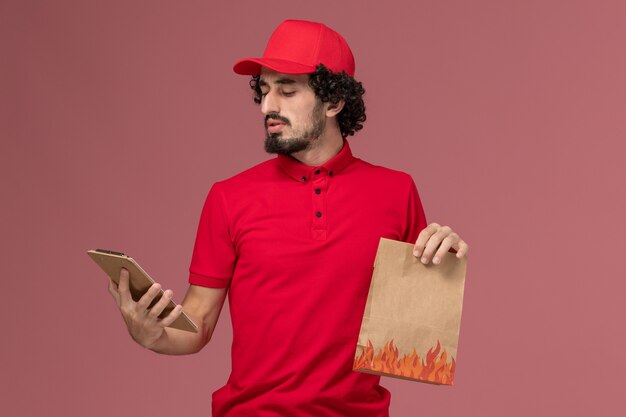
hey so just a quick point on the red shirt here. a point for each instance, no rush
(296, 244)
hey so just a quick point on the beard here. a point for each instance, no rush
(303, 140)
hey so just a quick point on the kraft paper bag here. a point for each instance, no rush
(410, 328)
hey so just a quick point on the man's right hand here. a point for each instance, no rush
(143, 324)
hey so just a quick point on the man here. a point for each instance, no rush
(294, 240)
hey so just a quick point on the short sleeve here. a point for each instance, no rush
(213, 257)
(415, 217)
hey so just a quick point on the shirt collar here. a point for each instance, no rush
(302, 173)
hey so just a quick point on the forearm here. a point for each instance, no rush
(202, 305)
(180, 342)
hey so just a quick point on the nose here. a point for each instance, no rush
(270, 103)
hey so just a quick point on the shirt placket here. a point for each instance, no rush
(319, 188)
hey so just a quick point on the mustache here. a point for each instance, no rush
(276, 116)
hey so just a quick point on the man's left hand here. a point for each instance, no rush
(435, 237)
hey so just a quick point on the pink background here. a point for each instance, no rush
(116, 118)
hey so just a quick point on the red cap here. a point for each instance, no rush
(297, 46)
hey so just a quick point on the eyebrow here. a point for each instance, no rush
(284, 81)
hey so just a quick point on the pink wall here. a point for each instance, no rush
(117, 116)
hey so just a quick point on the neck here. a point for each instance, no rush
(327, 146)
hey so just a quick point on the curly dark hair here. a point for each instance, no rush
(333, 87)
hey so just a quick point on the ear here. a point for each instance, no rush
(334, 109)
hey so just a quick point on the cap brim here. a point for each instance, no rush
(252, 66)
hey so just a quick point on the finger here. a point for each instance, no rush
(158, 308)
(423, 238)
(113, 291)
(463, 248)
(146, 299)
(112, 286)
(123, 286)
(432, 245)
(445, 246)
(174, 314)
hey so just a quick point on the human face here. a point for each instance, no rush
(294, 117)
